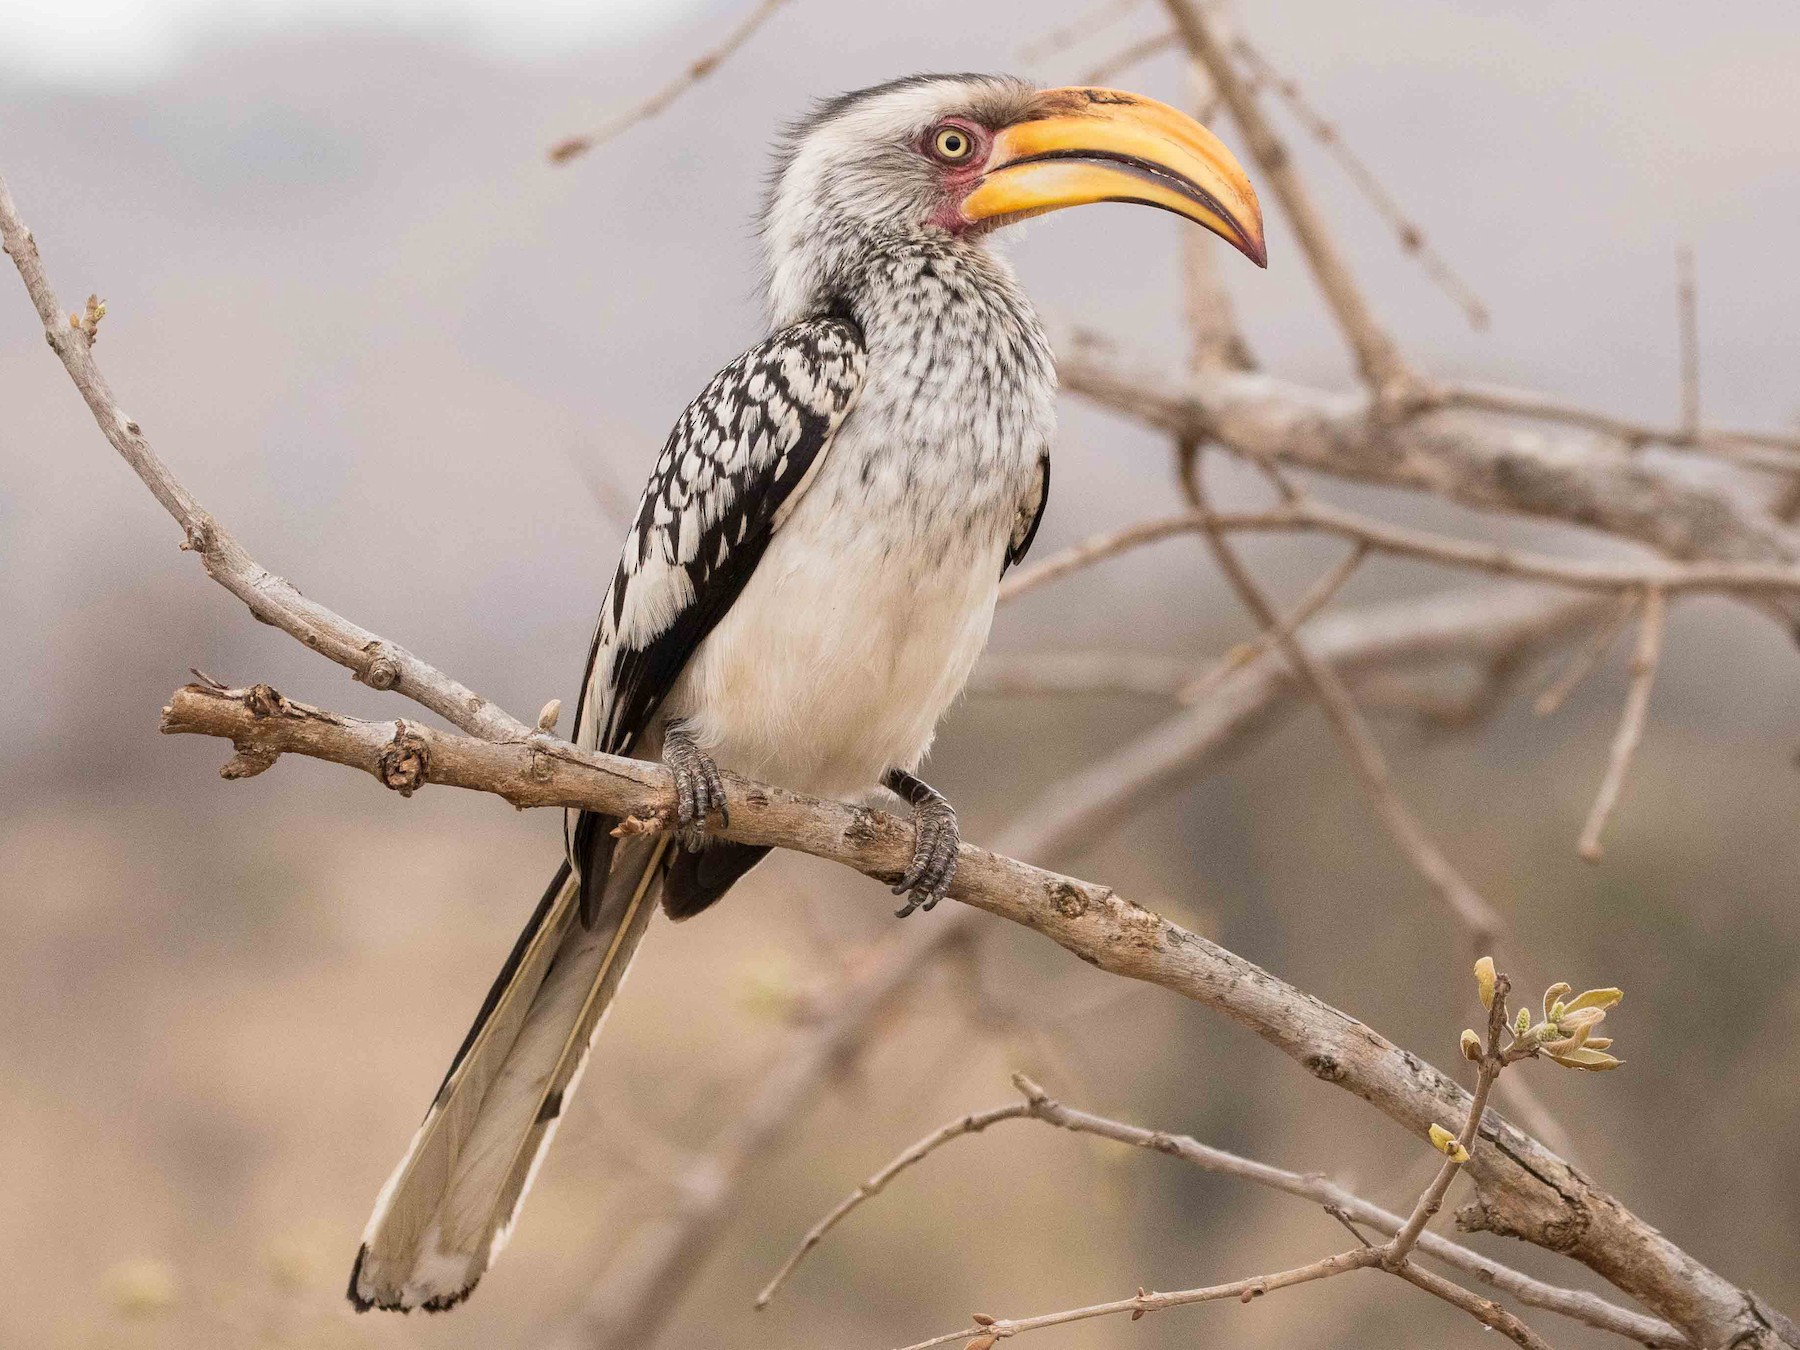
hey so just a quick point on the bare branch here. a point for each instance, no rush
(1050, 673)
(1769, 451)
(1471, 460)
(1376, 355)
(1523, 1189)
(1312, 516)
(1412, 238)
(697, 70)
(985, 1332)
(973, 1123)
(1038, 1105)
(1644, 662)
(1585, 657)
(375, 661)
(1370, 765)
(1319, 595)
(644, 1282)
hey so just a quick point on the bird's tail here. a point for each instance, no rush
(446, 1211)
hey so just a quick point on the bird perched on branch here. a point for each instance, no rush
(811, 574)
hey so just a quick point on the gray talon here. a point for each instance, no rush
(936, 839)
(699, 791)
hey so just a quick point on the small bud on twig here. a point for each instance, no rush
(547, 718)
(1484, 980)
(1445, 1142)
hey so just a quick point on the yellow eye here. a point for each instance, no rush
(952, 143)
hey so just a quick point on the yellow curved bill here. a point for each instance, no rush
(1104, 145)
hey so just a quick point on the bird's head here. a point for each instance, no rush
(956, 156)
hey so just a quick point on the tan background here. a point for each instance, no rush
(411, 364)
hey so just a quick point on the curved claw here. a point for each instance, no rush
(934, 859)
(699, 790)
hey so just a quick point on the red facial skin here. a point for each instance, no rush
(957, 176)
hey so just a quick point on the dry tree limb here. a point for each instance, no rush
(1470, 908)
(1589, 654)
(973, 1123)
(697, 70)
(1588, 1309)
(644, 1282)
(1377, 356)
(1644, 661)
(1481, 462)
(1412, 238)
(1318, 595)
(1522, 1188)
(374, 661)
(1312, 516)
(1771, 451)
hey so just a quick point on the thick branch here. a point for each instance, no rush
(645, 1281)
(1523, 1189)
(1484, 462)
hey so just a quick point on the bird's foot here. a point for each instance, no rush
(698, 789)
(936, 839)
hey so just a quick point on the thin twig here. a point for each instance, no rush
(1245, 1290)
(697, 70)
(1320, 594)
(1589, 654)
(1483, 1310)
(1350, 1209)
(1377, 357)
(1399, 1247)
(1313, 516)
(1412, 238)
(1476, 915)
(1217, 339)
(1644, 661)
(373, 660)
(974, 1123)
(1688, 323)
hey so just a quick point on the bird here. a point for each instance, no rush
(810, 576)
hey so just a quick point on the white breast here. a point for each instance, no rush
(866, 614)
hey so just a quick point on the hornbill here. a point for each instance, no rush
(810, 576)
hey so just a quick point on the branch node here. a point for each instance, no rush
(249, 761)
(405, 761)
(264, 700)
(384, 667)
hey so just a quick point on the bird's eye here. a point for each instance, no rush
(952, 144)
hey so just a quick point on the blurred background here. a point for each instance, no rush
(420, 371)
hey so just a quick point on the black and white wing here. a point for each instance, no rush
(1031, 515)
(735, 463)
(733, 468)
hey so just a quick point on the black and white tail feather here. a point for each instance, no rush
(734, 465)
